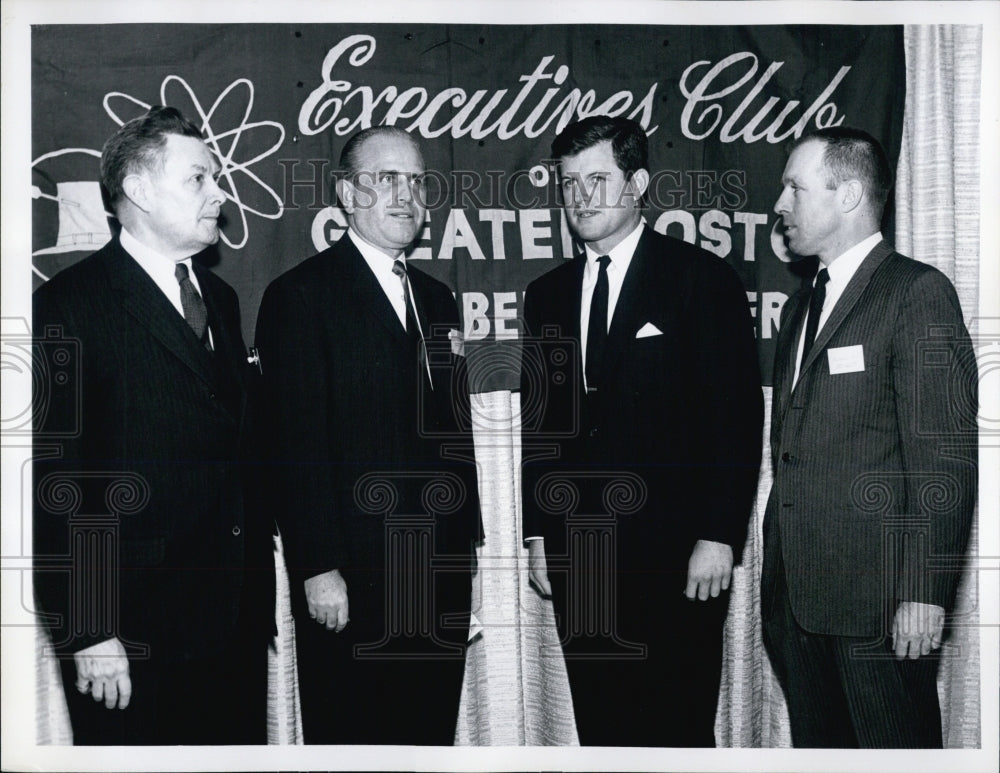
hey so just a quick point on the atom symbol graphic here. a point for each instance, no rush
(225, 145)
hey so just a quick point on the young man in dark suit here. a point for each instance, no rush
(873, 442)
(376, 483)
(655, 428)
(153, 573)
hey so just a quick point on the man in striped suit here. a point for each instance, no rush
(154, 568)
(873, 446)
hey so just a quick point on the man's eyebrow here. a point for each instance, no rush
(214, 169)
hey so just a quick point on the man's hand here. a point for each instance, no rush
(709, 569)
(538, 571)
(917, 629)
(102, 670)
(326, 595)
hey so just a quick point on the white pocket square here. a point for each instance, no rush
(647, 330)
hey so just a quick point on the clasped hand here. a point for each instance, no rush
(102, 670)
(709, 570)
(917, 629)
(326, 597)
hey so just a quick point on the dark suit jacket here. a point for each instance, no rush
(855, 452)
(356, 437)
(681, 411)
(145, 438)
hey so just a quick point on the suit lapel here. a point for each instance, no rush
(573, 324)
(629, 308)
(228, 359)
(854, 290)
(369, 294)
(419, 290)
(570, 309)
(144, 301)
(787, 350)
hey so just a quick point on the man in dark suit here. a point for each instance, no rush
(654, 426)
(873, 442)
(376, 483)
(154, 575)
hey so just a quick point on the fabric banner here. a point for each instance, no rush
(278, 102)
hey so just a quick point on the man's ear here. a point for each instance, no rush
(136, 190)
(639, 182)
(345, 194)
(852, 194)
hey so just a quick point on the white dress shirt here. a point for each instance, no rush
(621, 258)
(161, 270)
(381, 266)
(840, 270)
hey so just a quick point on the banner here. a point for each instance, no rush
(278, 101)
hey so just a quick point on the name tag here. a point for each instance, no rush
(846, 359)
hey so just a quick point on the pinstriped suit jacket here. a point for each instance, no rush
(154, 432)
(875, 470)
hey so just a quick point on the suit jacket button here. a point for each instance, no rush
(593, 432)
(211, 396)
(236, 531)
(786, 457)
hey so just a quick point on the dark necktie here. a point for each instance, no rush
(194, 307)
(597, 329)
(413, 327)
(816, 300)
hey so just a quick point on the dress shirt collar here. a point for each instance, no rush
(381, 266)
(840, 270)
(843, 267)
(621, 254)
(380, 262)
(159, 267)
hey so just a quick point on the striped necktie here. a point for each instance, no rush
(413, 327)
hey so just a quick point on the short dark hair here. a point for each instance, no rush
(138, 144)
(629, 143)
(351, 154)
(853, 154)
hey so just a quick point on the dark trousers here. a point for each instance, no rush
(214, 700)
(664, 694)
(850, 692)
(367, 685)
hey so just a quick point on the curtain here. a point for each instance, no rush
(515, 692)
(937, 221)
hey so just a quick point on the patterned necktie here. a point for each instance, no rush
(816, 300)
(413, 327)
(597, 330)
(194, 307)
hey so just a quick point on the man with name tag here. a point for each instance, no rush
(640, 475)
(873, 446)
(374, 479)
